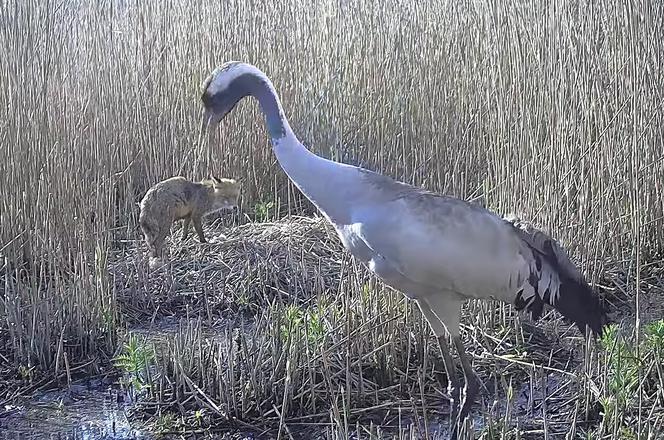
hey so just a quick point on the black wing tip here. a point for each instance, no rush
(598, 322)
(581, 305)
(597, 325)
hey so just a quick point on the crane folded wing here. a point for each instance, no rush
(555, 280)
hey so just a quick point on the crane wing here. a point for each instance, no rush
(444, 243)
(420, 243)
(547, 247)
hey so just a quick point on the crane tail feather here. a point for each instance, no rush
(556, 281)
(578, 303)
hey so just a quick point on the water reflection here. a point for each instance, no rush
(86, 411)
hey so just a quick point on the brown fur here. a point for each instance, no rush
(180, 199)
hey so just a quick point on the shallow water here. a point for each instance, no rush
(88, 410)
(93, 409)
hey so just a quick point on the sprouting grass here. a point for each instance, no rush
(263, 211)
(549, 110)
(306, 322)
(634, 370)
(134, 362)
(165, 423)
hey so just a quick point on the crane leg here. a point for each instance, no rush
(472, 385)
(453, 389)
(442, 313)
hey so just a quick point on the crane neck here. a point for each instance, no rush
(312, 174)
(288, 149)
(275, 120)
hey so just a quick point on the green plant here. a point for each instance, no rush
(655, 338)
(623, 367)
(242, 299)
(165, 423)
(263, 211)
(198, 417)
(26, 373)
(292, 318)
(297, 322)
(135, 361)
(315, 326)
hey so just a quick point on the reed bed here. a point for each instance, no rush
(266, 326)
(549, 110)
(273, 329)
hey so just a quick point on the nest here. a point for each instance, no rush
(242, 268)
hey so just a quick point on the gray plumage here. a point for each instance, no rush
(436, 250)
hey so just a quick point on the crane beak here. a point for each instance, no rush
(210, 119)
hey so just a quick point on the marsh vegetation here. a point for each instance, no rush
(549, 110)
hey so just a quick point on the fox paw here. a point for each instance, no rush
(156, 263)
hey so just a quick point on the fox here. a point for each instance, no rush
(178, 198)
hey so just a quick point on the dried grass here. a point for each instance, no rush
(550, 110)
(220, 319)
(243, 268)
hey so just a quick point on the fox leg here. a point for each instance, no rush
(151, 234)
(199, 229)
(185, 227)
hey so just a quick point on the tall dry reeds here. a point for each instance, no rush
(550, 110)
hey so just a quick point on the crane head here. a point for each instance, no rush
(222, 90)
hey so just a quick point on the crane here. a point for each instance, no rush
(437, 250)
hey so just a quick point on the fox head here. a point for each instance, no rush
(226, 192)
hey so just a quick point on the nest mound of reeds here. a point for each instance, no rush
(241, 268)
